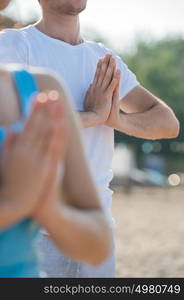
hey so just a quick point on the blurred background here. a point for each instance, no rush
(148, 201)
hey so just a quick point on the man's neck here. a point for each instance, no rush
(65, 28)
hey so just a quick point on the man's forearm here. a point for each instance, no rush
(157, 123)
(88, 119)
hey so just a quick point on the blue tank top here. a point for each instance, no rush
(18, 257)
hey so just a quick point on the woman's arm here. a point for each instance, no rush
(10, 213)
(83, 235)
(79, 226)
(27, 160)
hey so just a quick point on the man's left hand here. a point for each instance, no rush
(114, 115)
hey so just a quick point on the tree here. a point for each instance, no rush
(159, 67)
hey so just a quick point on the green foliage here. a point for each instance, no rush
(159, 67)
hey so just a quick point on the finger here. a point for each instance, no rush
(116, 93)
(55, 110)
(117, 74)
(42, 104)
(96, 77)
(55, 153)
(58, 143)
(103, 69)
(9, 142)
(115, 98)
(37, 112)
(36, 104)
(89, 90)
(37, 124)
(55, 132)
(87, 103)
(8, 146)
(10, 139)
(37, 134)
(115, 81)
(109, 73)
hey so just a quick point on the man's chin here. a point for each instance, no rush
(75, 12)
(3, 4)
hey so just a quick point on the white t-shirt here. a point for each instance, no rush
(77, 65)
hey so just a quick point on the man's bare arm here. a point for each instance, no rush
(89, 119)
(145, 116)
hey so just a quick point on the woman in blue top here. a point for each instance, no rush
(31, 186)
(25, 162)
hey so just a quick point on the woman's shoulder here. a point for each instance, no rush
(9, 109)
(9, 104)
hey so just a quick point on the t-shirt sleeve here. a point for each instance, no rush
(13, 48)
(128, 78)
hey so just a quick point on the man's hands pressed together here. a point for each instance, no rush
(114, 116)
(98, 101)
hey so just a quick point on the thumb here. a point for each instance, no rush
(8, 147)
(115, 81)
(116, 90)
(10, 140)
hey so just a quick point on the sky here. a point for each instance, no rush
(121, 22)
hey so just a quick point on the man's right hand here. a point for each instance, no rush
(98, 101)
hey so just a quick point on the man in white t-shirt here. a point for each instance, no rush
(55, 43)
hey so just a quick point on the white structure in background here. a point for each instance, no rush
(126, 172)
(123, 161)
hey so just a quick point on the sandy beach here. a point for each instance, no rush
(150, 232)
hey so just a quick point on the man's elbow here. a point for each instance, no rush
(171, 128)
(167, 125)
(175, 130)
